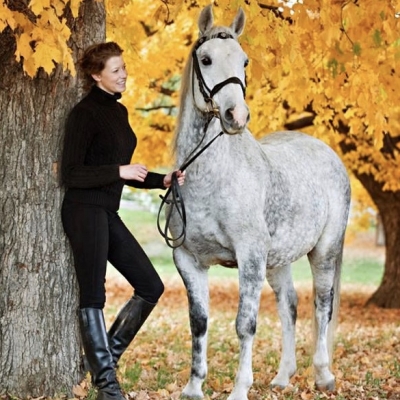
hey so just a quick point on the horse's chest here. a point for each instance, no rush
(208, 237)
(220, 213)
(206, 231)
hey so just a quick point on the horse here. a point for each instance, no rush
(254, 205)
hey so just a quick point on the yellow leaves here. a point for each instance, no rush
(59, 7)
(6, 17)
(24, 48)
(167, 11)
(74, 5)
(330, 36)
(310, 61)
(41, 57)
(257, 70)
(41, 43)
(37, 6)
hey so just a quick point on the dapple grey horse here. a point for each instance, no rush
(253, 205)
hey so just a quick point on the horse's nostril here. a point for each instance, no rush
(229, 114)
(248, 117)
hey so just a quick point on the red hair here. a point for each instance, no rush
(94, 60)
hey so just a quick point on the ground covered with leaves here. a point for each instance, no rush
(157, 364)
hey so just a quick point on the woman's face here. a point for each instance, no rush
(112, 78)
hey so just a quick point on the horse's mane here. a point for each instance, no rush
(186, 81)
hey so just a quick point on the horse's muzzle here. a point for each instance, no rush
(235, 119)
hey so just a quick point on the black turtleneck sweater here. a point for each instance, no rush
(98, 139)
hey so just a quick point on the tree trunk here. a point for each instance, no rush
(39, 341)
(388, 204)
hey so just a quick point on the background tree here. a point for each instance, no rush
(327, 67)
(339, 62)
(39, 42)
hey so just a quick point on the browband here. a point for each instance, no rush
(219, 35)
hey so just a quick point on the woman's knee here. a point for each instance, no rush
(152, 291)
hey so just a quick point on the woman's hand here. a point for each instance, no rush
(180, 175)
(135, 172)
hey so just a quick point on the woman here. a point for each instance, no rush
(98, 147)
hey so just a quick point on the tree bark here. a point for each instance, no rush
(388, 203)
(39, 341)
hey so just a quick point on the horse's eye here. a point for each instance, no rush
(246, 63)
(206, 61)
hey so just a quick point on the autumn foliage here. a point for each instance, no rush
(336, 61)
(333, 60)
(328, 67)
(41, 33)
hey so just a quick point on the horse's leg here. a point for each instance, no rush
(195, 279)
(251, 280)
(326, 273)
(281, 282)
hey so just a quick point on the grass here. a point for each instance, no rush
(142, 223)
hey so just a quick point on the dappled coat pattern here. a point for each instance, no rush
(254, 205)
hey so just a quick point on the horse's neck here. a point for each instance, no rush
(194, 131)
(224, 156)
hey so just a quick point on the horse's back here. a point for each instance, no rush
(298, 155)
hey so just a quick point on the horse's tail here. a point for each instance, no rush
(335, 306)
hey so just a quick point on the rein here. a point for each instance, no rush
(174, 191)
(177, 200)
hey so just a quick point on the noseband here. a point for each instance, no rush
(173, 197)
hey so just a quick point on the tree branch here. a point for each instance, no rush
(300, 123)
(278, 13)
(154, 108)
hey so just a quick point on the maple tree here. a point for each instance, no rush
(39, 342)
(325, 67)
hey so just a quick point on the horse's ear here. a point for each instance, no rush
(206, 20)
(238, 23)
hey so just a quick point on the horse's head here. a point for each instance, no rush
(219, 64)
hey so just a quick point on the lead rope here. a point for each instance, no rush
(176, 200)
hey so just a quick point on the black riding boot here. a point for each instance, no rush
(127, 324)
(98, 355)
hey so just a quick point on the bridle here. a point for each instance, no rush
(208, 93)
(176, 200)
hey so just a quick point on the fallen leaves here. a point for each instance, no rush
(366, 358)
(80, 390)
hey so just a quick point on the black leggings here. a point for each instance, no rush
(97, 235)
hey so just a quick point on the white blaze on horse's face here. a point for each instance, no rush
(219, 60)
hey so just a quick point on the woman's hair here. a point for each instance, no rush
(94, 60)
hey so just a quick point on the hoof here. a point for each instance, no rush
(326, 387)
(186, 396)
(238, 396)
(281, 381)
(193, 390)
